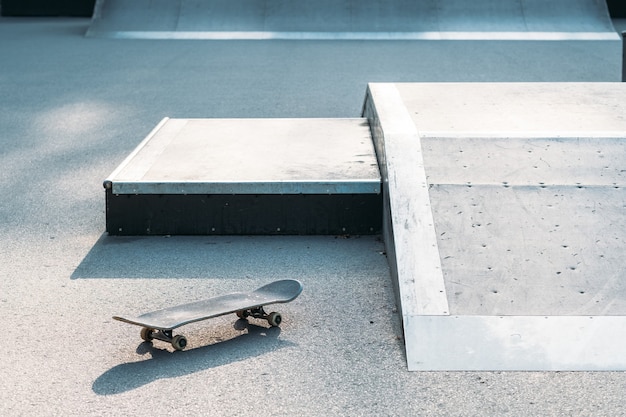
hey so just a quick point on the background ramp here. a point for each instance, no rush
(353, 19)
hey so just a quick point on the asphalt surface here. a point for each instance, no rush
(72, 110)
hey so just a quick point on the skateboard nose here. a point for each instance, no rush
(287, 289)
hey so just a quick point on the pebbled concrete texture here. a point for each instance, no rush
(72, 110)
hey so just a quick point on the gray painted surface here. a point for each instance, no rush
(352, 19)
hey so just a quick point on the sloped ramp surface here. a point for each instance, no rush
(352, 19)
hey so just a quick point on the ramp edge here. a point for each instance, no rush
(430, 36)
(408, 224)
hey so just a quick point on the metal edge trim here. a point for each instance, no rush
(254, 187)
(389, 35)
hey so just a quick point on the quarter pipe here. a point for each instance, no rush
(353, 19)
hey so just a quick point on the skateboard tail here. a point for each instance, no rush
(142, 323)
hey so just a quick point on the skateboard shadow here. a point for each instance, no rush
(166, 364)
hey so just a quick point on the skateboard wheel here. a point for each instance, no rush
(179, 342)
(274, 319)
(242, 314)
(146, 334)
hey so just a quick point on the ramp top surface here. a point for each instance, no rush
(251, 156)
(516, 109)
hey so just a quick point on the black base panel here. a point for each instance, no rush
(617, 8)
(52, 8)
(258, 214)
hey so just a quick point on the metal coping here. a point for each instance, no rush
(417, 36)
(365, 186)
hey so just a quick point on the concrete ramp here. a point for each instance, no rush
(504, 222)
(353, 19)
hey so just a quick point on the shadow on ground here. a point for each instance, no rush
(166, 364)
(229, 257)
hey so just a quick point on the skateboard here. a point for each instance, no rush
(160, 324)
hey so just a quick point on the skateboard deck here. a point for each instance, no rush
(159, 324)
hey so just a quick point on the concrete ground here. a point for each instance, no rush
(73, 108)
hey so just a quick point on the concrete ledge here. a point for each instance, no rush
(248, 176)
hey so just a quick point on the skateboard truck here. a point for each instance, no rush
(179, 342)
(274, 319)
